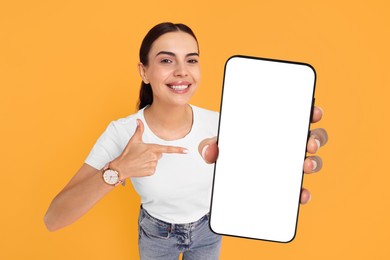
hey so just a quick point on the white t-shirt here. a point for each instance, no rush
(180, 189)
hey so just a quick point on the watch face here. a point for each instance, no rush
(111, 176)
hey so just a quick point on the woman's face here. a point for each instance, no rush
(173, 70)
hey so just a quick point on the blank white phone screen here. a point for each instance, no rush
(264, 124)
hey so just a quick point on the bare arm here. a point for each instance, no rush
(87, 187)
(83, 191)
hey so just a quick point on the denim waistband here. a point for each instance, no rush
(173, 226)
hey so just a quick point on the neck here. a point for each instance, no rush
(169, 122)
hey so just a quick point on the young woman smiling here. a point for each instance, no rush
(166, 149)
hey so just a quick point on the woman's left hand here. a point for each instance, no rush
(208, 148)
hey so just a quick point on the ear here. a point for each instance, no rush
(142, 73)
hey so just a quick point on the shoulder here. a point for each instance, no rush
(124, 126)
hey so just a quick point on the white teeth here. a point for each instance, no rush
(178, 87)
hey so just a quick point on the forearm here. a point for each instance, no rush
(72, 203)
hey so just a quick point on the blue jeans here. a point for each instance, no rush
(165, 241)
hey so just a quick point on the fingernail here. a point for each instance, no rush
(185, 151)
(204, 150)
(318, 143)
(137, 122)
(314, 164)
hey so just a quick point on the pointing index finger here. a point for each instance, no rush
(170, 149)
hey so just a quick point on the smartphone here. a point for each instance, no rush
(264, 126)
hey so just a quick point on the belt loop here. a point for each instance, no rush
(172, 228)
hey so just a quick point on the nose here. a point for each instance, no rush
(180, 70)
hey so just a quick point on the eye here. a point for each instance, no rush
(166, 61)
(192, 61)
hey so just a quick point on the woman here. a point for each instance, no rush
(166, 150)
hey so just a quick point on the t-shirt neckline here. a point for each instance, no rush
(159, 139)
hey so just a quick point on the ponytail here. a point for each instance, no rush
(145, 95)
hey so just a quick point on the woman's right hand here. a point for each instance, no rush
(139, 159)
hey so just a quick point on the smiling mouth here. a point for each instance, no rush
(178, 87)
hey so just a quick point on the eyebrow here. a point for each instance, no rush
(174, 55)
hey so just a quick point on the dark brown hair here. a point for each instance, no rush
(146, 94)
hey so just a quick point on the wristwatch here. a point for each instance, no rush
(110, 176)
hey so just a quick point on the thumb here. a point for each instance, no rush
(208, 149)
(139, 131)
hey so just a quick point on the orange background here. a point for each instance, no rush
(67, 68)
